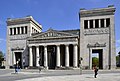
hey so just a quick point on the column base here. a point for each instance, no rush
(46, 67)
(75, 67)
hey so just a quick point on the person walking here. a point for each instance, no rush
(95, 71)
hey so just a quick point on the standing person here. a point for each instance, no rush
(95, 71)
(15, 66)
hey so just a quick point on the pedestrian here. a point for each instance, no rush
(15, 66)
(95, 71)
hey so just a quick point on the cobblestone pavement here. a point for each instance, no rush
(83, 77)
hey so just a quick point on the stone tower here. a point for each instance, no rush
(18, 30)
(97, 36)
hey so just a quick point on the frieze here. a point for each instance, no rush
(51, 34)
(51, 41)
(17, 48)
(96, 45)
(96, 31)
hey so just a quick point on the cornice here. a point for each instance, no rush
(97, 12)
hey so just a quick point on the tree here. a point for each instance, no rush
(95, 61)
(1, 57)
(118, 60)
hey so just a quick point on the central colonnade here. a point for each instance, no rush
(58, 57)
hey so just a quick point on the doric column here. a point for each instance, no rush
(75, 56)
(105, 22)
(37, 56)
(14, 60)
(45, 57)
(93, 23)
(58, 56)
(30, 56)
(67, 55)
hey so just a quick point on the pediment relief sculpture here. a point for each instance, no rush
(52, 33)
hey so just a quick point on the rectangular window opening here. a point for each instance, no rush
(102, 23)
(10, 31)
(18, 30)
(14, 31)
(85, 24)
(25, 29)
(96, 23)
(107, 22)
(91, 23)
(22, 30)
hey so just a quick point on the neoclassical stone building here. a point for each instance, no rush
(54, 49)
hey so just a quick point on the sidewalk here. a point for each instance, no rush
(83, 77)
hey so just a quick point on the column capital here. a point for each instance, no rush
(37, 46)
(30, 46)
(57, 44)
(67, 44)
(75, 44)
(45, 45)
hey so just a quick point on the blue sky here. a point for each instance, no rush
(57, 14)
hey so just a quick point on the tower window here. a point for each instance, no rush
(14, 31)
(102, 23)
(22, 30)
(18, 30)
(86, 24)
(10, 31)
(25, 29)
(107, 22)
(96, 23)
(91, 23)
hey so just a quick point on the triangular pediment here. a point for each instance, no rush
(52, 33)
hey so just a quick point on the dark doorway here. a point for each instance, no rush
(18, 57)
(97, 56)
(62, 55)
(41, 59)
(71, 54)
(51, 57)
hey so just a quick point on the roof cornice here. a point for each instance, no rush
(97, 12)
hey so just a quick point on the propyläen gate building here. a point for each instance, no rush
(55, 49)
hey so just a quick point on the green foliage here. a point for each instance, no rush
(117, 58)
(95, 61)
(1, 57)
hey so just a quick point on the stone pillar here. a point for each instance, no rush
(75, 56)
(93, 23)
(88, 24)
(37, 56)
(67, 55)
(99, 23)
(30, 56)
(14, 60)
(12, 31)
(58, 56)
(105, 22)
(45, 57)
